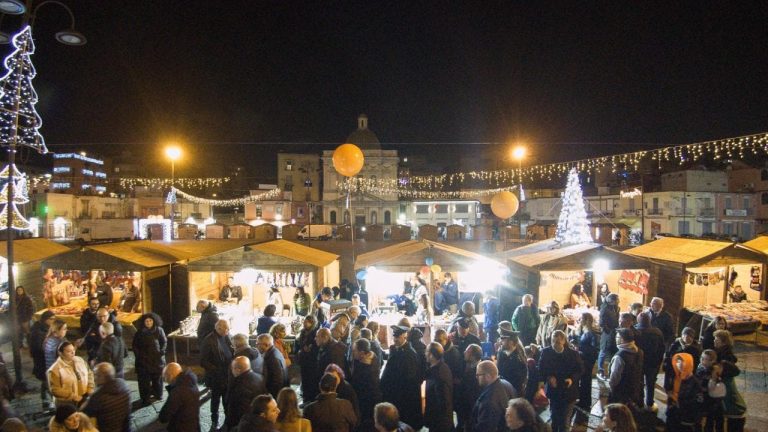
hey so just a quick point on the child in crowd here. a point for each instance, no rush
(708, 373)
(686, 396)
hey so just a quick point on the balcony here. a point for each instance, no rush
(682, 212)
(630, 213)
(737, 212)
(654, 212)
(707, 212)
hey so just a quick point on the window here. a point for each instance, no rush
(746, 203)
(746, 231)
(288, 184)
(387, 217)
(683, 227)
(462, 208)
(289, 165)
(346, 217)
(728, 202)
(279, 209)
(333, 217)
(727, 228)
(655, 204)
(441, 208)
(706, 227)
(763, 196)
(422, 208)
(764, 174)
(259, 210)
(374, 218)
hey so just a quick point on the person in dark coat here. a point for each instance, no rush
(244, 386)
(230, 291)
(651, 341)
(560, 368)
(93, 338)
(414, 337)
(262, 416)
(365, 381)
(329, 351)
(451, 355)
(344, 389)
(215, 357)
(609, 321)
(327, 413)
(708, 335)
(684, 344)
(488, 411)
(466, 393)
(511, 361)
(105, 294)
(626, 371)
(181, 411)
(462, 338)
(149, 344)
(89, 331)
(208, 319)
(526, 320)
(24, 311)
(723, 347)
(306, 350)
(242, 348)
(587, 340)
(112, 348)
(37, 335)
(662, 320)
(110, 404)
(401, 379)
(274, 370)
(387, 419)
(438, 410)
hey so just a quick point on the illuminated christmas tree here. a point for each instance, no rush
(19, 124)
(572, 225)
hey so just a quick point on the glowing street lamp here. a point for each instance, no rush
(173, 153)
(518, 153)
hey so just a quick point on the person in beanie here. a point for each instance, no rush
(526, 320)
(684, 344)
(68, 419)
(609, 321)
(401, 379)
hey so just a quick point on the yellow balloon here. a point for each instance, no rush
(348, 159)
(436, 268)
(504, 204)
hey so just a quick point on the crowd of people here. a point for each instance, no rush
(349, 382)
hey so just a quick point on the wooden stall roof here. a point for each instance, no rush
(142, 252)
(199, 249)
(34, 249)
(760, 243)
(402, 255)
(684, 250)
(295, 251)
(544, 251)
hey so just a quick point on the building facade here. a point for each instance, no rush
(79, 174)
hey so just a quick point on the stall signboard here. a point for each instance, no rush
(635, 280)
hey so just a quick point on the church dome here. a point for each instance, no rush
(364, 137)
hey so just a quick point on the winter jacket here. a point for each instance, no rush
(651, 342)
(300, 425)
(564, 365)
(93, 337)
(255, 423)
(110, 405)
(663, 321)
(678, 347)
(329, 414)
(70, 382)
(37, 336)
(735, 407)
(549, 324)
(345, 391)
(241, 390)
(588, 344)
(257, 360)
(489, 409)
(181, 410)
(51, 350)
(112, 350)
(24, 308)
(149, 345)
(208, 319)
(513, 367)
(725, 353)
(264, 323)
(333, 352)
(454, 359)
(626, 375)
(438, 410)
(85, 425)
(687, 395)
(526, 320)
(275, 372)
(401, 383)
(365, 381)
(215, 357)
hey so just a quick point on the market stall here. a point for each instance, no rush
(69, 278)
(27, 259)
(549, 272)
(693, 273)
(385, 271)
(257, 274)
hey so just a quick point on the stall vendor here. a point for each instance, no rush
(579, 297)
(231, 292)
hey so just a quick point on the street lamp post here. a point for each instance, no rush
(518, 153)
(67, 37)
(173, 153)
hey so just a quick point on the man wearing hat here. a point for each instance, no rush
(401, 380)
(463, 338)
(37, 335)
(511, 360)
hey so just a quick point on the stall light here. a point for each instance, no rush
(190, 220)
(59, 222)
(600, 267)
(278, 217)
(293, 221)
(209, 220)
(362, 229)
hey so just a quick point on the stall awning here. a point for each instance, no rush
(199, 249)
(546, 251)
(34, 249)
(296, 251)
(684, 250)
(760, 243)
(130, 255)
(412, 253)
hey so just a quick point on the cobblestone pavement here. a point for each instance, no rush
(753, 382)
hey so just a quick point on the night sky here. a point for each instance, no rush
(238, 81)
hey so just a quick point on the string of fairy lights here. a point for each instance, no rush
(164, 183)
(391, 187)
(234, 202)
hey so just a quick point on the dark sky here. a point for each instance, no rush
(555, 74)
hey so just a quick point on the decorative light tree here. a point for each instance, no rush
(572, 225)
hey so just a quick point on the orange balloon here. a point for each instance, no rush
(504, 204)
(348, 159)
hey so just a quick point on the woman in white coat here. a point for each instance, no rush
(70, 379)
